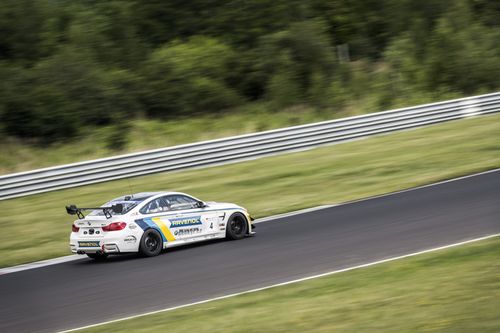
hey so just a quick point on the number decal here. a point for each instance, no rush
(211, 225)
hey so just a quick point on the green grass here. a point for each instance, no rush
(454, 290)
(150, 134)
(146, 134)
(36, 227)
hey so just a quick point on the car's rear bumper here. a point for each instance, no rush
(117, 242)
(104, 248)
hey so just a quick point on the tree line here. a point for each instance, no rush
(69, 64)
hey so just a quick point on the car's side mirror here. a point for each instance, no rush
(201, 204)
(117, 208)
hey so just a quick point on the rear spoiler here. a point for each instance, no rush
(73, 210)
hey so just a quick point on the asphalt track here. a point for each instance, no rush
(84, 292)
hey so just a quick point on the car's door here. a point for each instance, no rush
(188, 220)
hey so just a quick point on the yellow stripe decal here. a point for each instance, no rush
(166, 232)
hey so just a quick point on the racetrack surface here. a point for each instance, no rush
(84, 292)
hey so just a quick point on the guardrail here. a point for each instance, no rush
(243, 147)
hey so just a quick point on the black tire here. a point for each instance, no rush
(237, 226)
(151, 243)
(97, 256)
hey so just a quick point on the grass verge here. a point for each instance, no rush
(144, 134)
(36, 227)
(147, 134)
(453, 290)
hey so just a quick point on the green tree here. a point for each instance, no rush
(459, 54)
(239, 22)
(40, 113)
(96, 93)
(93, 63)
(104, 33)
(189, 77)
(22, 25)
(464, 59)
(297, 60)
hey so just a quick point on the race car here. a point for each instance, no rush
(150, 222)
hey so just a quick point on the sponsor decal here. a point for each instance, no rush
(188, 231)
(214, 219)
(88, 244)
(130, 240)
(185, 221)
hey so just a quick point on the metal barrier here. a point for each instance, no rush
(243, 147)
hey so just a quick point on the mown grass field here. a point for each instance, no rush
(453, 290)
(37, 227)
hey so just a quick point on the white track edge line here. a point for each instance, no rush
(373, 263)
(58, 260)
(307, 210)
(38, 264)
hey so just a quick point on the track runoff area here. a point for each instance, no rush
(308, 244)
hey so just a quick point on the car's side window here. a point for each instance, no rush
(180, 202)
(155, 206)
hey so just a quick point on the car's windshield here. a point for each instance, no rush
(128, 204)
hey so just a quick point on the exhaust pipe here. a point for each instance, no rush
(83, 252)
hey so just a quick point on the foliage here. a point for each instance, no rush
(88, 62)
(118, 136)
(188, 78)
(299, 62)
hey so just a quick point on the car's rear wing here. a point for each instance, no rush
(73, 210)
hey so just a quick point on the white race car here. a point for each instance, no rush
(150, 222)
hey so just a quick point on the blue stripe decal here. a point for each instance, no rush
(142, 224)
(154, 226)
(147, 223)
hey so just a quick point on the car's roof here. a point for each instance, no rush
(145, 195)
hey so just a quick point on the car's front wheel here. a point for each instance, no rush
(151, 243)
(237, 226)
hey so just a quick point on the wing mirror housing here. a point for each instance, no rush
(201, 204)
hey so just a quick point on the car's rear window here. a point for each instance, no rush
(128, 205)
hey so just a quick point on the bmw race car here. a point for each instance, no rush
(149, 222)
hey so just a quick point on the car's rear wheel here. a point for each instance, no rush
(97, 256)
(151, 243)
(237, 226)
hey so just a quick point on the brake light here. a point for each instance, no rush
(115, 226)
(74, 228)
